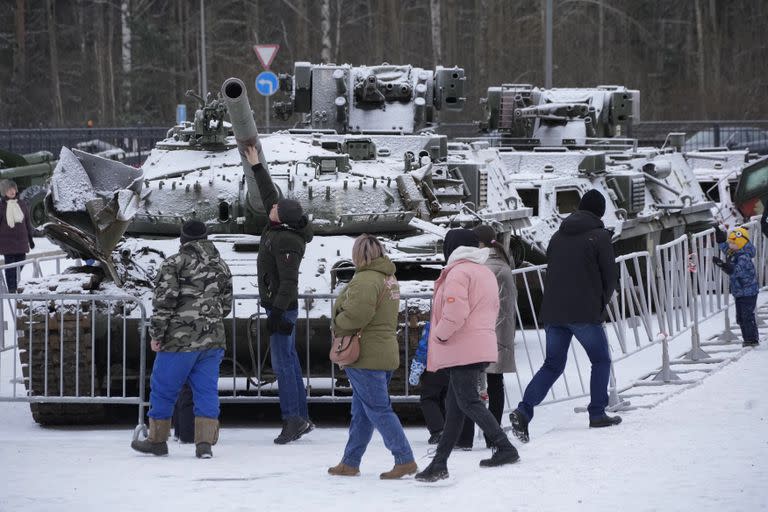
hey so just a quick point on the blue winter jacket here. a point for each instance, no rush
(741, 269)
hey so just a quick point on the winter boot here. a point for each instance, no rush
(206, 434)
(156, 442)
(399, 471)
(604, 421)
(310, 428)
(503, 453)
(435, 471)
(435, 438)
(293, 428)
(750, 344)
(519, 425)
(342, 469)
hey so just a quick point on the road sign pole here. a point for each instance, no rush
(266, 115)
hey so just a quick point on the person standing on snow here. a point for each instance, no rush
(738, 264)
(15, 231)
(462, 340)
(193, 294)
(280, 253)
(581, 278)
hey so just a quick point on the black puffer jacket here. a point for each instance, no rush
(280, 251)
(581, 271)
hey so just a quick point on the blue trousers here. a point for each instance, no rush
(12, 274)
(172, 369)
(745, 317)
(592, 338)
(371, 408)
(286, 365)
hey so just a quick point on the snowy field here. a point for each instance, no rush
(703, 449)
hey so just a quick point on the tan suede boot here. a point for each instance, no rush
(399, 471)
(156, 442)
(342, 469)
(206, 435)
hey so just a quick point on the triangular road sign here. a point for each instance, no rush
(266, 53)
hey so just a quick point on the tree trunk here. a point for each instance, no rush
(125, 59)
(111, 63)
(20, 49)
(58, 107)
(437, 29)
(601, 42)
(302, 35)
(337, 42)
(700, 61)
(325, 29)
(98, 54)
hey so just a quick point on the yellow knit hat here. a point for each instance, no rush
(739, 236)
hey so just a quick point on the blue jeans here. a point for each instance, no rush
(592, 338)
(745, 317)
(371, 409)
(172, 369)
(285, 364)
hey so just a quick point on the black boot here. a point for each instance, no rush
(310, 428)
(519, 425)
(505, 454)
(293, 428)
(434, 472)
(435, 438)
(750, 344)
(604, 421)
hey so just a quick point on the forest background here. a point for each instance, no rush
(129, 62)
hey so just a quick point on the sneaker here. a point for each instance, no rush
(500, 457)
(750, 344)
(203, 451)
(293, 428)
(310, 428)
(433, 473)
(435, 438)
(519, 425)
(604, 421)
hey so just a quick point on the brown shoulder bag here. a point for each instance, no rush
(345, 350)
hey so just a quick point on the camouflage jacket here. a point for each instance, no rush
(193, 294)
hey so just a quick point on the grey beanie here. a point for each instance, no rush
(289, 212)
(193, 230)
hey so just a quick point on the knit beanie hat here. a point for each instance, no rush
(289, 211)
(485, 234)
(739, 237)
(193, 230)
(459, 237)
(593, 201)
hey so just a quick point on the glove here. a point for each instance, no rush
(717, 261)
(31, 244)
(720, 235)
(727, 267)
(417, 368)
(276, 322)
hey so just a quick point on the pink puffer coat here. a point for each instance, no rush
(464, 312)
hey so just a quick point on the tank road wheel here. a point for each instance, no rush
(75, 371)
(34, 196)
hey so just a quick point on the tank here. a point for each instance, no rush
(352, 171)
(552, 145)
(30, 172)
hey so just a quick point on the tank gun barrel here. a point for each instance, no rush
(236, 98)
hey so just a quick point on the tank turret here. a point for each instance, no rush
(384, 99)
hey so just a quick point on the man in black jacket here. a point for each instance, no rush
(581, 277)
(280, 253)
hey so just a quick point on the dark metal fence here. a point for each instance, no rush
(751, 135)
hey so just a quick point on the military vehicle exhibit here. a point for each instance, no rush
(554, 145)
(30, 172)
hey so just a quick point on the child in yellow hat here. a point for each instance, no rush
(738, 264)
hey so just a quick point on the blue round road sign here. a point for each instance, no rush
(266, 83)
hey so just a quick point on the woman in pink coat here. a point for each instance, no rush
(462, 340)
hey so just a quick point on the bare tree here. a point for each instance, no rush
(437, 30)
(58, 106)
(125, 54)
(325, 28)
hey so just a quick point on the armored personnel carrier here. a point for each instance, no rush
(352, 173)
(552, 145)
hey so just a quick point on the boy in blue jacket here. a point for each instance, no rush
(739, 252)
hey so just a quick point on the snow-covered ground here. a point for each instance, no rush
(705, 449)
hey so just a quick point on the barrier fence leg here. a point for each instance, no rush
(727, 335)
(665, 374)
(696, 353)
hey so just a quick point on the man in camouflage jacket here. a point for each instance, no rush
(280, 253)
(193, 294)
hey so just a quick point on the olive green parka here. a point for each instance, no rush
(356, 309)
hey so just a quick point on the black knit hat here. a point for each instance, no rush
(593, 201)
(485, 234)
(457, 238)
(193, 230)
(289, 211)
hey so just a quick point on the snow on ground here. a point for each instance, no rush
(704, 449)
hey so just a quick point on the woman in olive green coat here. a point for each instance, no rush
(369, 305)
